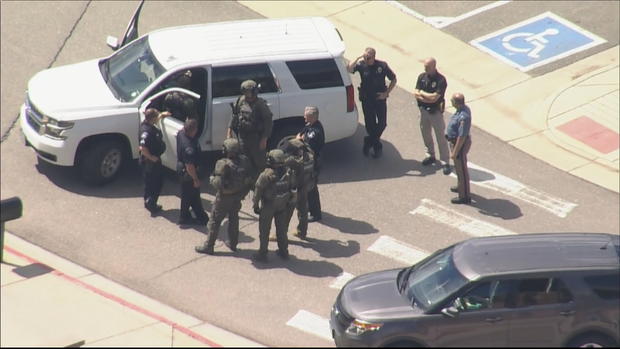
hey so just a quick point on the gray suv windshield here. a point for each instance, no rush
(434, 280)
(129, 71)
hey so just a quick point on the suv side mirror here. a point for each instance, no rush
(112, 42)
(450, 311)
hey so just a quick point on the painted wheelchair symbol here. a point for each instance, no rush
(538, 42)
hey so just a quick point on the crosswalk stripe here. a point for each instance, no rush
(311, 323)
(462, 222)
(511, 187)
(401, 251)
(342, 279)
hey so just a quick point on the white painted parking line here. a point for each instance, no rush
(497, 182)
(464, 223)
(398, 250)
(311, 323)
(342, 279)
(442, 22)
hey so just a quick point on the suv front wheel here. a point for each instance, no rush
(591, 341)
(101, 163)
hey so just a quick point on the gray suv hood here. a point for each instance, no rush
(374, 296)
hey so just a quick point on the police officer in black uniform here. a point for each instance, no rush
(314, 135)
(373, 94)
(151, 148)
(188, 152)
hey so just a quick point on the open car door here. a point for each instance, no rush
(131, 33)
(169, 126)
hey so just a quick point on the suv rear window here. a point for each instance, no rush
(316, 73)
(605, 286)
(227, 80)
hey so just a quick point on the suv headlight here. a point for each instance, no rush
(359, 327)
(54, 128)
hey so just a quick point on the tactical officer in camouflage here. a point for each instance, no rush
(251, 124)
(230, 178)
(300, 158)
(274, 198)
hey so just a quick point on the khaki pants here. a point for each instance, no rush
(462, 172)
(435, 121)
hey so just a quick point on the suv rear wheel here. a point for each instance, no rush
(591, 341)
(101, 163)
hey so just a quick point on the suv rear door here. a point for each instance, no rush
(226, 83)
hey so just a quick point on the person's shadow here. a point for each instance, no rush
(500, 208)
(347, 225)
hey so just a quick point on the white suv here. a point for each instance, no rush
(88, 114)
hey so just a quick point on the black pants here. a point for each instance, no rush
(190, 197)
(314, 200)
(375, 119)
(153, 174)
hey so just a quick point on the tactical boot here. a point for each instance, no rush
(230, 246)
(427, 161)
(300, 235)
(204, 249)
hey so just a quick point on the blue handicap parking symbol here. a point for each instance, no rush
(537, 41)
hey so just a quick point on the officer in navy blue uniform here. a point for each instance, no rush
(458, 135)
(373, 94)
(314, 135)
(151, 148)
(188, 152)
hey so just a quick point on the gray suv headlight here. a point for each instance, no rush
(358, 327)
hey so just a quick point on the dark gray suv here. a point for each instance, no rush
(518, 290)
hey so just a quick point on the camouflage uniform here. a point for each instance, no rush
(301, 160)
(252, 121)
(275, 192)
(231, 178)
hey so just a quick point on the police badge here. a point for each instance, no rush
(379, 70)
(434, 84)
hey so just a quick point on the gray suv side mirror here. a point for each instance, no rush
(450, 311)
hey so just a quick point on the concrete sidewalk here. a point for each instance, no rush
(48, 301)
(567, 118)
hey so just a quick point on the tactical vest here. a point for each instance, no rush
(248, 120)
(236, 179)
(282, 189)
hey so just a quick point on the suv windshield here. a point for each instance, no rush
(130, 70)
(434, 280)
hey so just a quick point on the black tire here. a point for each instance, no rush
(403, 344)
(592, 341)
(102, 162)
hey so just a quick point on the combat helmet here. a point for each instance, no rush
(276, 158)
(249, 85)
(231, 147)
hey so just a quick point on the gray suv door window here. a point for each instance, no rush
(541, 291)
(227, 80)
(606, 286)
(316, 73)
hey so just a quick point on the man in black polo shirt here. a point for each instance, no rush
(429, 92)
(373, 94)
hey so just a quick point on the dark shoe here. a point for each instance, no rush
(259, 257)
(446, 169)
(230, 246)
(454, 189)
(203, 221)
(154, 209)
(461, 200)
(429, 160)
(366, 148)
(283, 255)
(188, 221)
(204, 249)
(377, 152)
(300, 235)
(312, 218)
